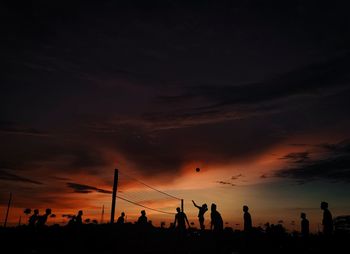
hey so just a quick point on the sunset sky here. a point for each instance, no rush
(255, 93)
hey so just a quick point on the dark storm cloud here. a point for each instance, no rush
(292, 91)
(169, 150)
(341, 147)
(163, 86)
(57, 155)
(305, 81)
(209, 104)
(234, 102)
(296, 157)
(332, 165)
(82, 188)
(59, 178)
(300, 82)
(7, 176)
(15, 128)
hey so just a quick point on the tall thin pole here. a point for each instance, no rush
(114, 194)
(182, 205)
(8, 209)
(103, 213)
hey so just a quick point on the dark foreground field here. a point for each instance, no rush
(131, 239)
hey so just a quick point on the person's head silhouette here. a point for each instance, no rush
(213, 207)
(36, 211)
(122, 214)
(245, 208)
(324, 205)
(178, 209)
(143, 212)
(303, 215)
(80, 213)
(204, 206)
(48, 211)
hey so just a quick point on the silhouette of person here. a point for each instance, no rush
(71, 222)
(78, 218)
(121, 219)
(201, 211)
(150, 224)
(162, 225)
(304, 225)
(43, 218)
(181, 220)
(142, 219)
(32, 219)
(217, 224)
(247, 219)
(327, 221)
(267, 228)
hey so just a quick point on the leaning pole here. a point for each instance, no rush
(8, 209)
(114, 195)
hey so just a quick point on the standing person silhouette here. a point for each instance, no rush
(201, 211)
(327, 220)
(181, 220)
(142, 221)
(121, 219)
(304, 225)
(78, 218)
(32, 219)
(247, 219)
(217, 224)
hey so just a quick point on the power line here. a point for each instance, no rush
(135, 203)
(164, 193)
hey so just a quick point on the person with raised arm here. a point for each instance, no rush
(201, 211)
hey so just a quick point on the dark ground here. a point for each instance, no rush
(131, 239)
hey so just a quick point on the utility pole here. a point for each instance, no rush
(182, 205)
(114, 194)
(8, 209)
(103, 213)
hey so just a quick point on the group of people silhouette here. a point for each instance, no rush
(39, 220)
(181, 219)
(217, 225)
(327, 221)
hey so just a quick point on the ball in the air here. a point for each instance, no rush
(198, 169)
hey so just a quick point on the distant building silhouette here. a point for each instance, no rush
(247, 219)
(201, 211)
(217, 224)
(304, 225)
(327, 220)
